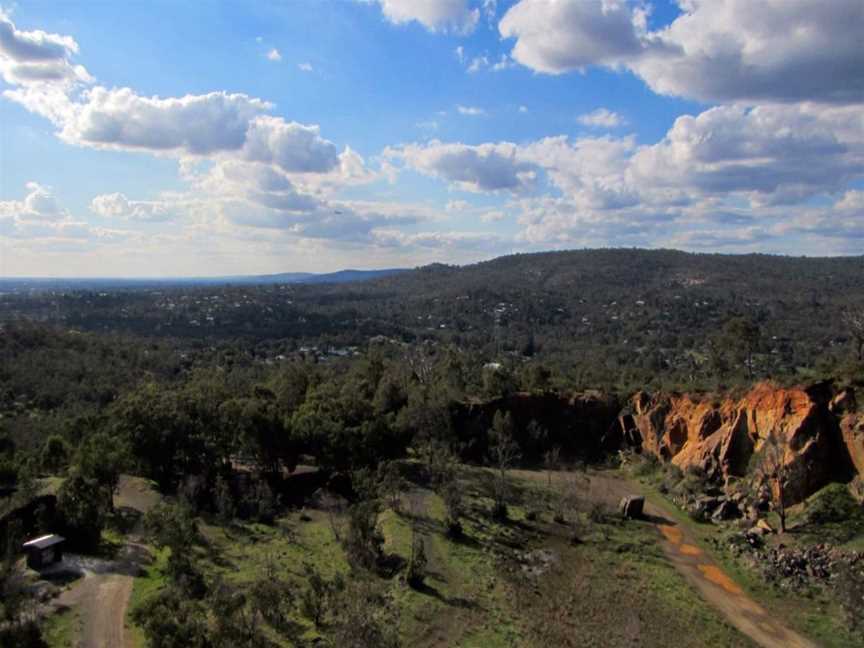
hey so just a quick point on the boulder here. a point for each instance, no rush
(763, 525)
(728, 510)
(632, 506)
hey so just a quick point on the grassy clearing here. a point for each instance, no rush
(614, 589)
(463, 601)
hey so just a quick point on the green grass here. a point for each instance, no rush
(475, 593)
(143, 587)
(246, 550)
(60, 630)
(463, 602)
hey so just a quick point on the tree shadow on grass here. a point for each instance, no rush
(452, 601)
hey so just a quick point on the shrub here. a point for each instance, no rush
(832, 504)
(451, 493)
(647, 465)
(672, 476)
(170, 621)
(363, 540)
(364, 617)
(8, 471)
(55, 454)
(416, 571)
(597, 513)
(317, 596)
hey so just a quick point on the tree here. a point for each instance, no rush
(853, 318)
(223, 496)
(18, 619)
(772, 467)
(415, 573)
(82, 503)
(552, 461)
(568, 487)
(102, 457)
(235, 623)
(55, 454)
(504, 453)
(170, 620)
(316, 598)
(742, 334)
(174, 527)
(363, 540)
(391, 484)
(364, 617)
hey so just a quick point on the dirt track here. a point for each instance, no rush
(101, 600)
(101, 595)
(715, 586)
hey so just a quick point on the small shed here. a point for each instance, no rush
(44, 551)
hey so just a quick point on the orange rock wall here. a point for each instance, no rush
(824, 443)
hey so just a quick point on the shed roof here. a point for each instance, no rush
(43, 542)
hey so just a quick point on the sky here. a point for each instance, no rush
(154, 139)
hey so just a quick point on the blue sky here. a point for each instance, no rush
(155, 139)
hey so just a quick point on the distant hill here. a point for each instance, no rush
(31, 284)
(629, 314)
(342, 276)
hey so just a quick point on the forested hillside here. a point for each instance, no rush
(599, 317)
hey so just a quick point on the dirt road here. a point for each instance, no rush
(101, 597)
(101, 600)
(704, 574)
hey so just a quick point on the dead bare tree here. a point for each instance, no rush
(552, 461)
(335, 508)
(853, 318)
(421, 364)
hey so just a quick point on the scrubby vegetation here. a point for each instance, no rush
(375, 464)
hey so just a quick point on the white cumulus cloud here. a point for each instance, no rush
(435, 15)
(37, 57)
(716, 50)
(601, 118)
(487, 167)
(116, 205)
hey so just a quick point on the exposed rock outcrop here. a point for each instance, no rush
(720, 436)
(852, 429)
(820, 427)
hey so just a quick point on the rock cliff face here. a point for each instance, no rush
(824, 438)
(820, 427)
